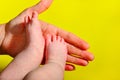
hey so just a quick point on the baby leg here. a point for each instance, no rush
(31, 56)
(54, 68)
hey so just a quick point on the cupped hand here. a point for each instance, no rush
(15, 37)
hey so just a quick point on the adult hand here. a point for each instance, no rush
(15, 38)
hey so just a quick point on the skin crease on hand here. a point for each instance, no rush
(15, 33)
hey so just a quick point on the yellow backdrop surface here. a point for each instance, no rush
(96, 21)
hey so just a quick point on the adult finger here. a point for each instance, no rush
(79, 53)
(69, 67)
(76, 61)
(73, 39)
(42, 6)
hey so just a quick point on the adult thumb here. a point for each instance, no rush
(42, 6)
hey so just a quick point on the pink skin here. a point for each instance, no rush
(25, 66)
(54, 68)
(31, 57)
(56, 46)
(15, 33)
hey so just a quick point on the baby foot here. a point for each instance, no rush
(34, 33)
(56, 50)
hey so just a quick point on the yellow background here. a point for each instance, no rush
(96, 21)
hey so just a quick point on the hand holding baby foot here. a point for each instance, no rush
(15, 33)
(31, 57)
